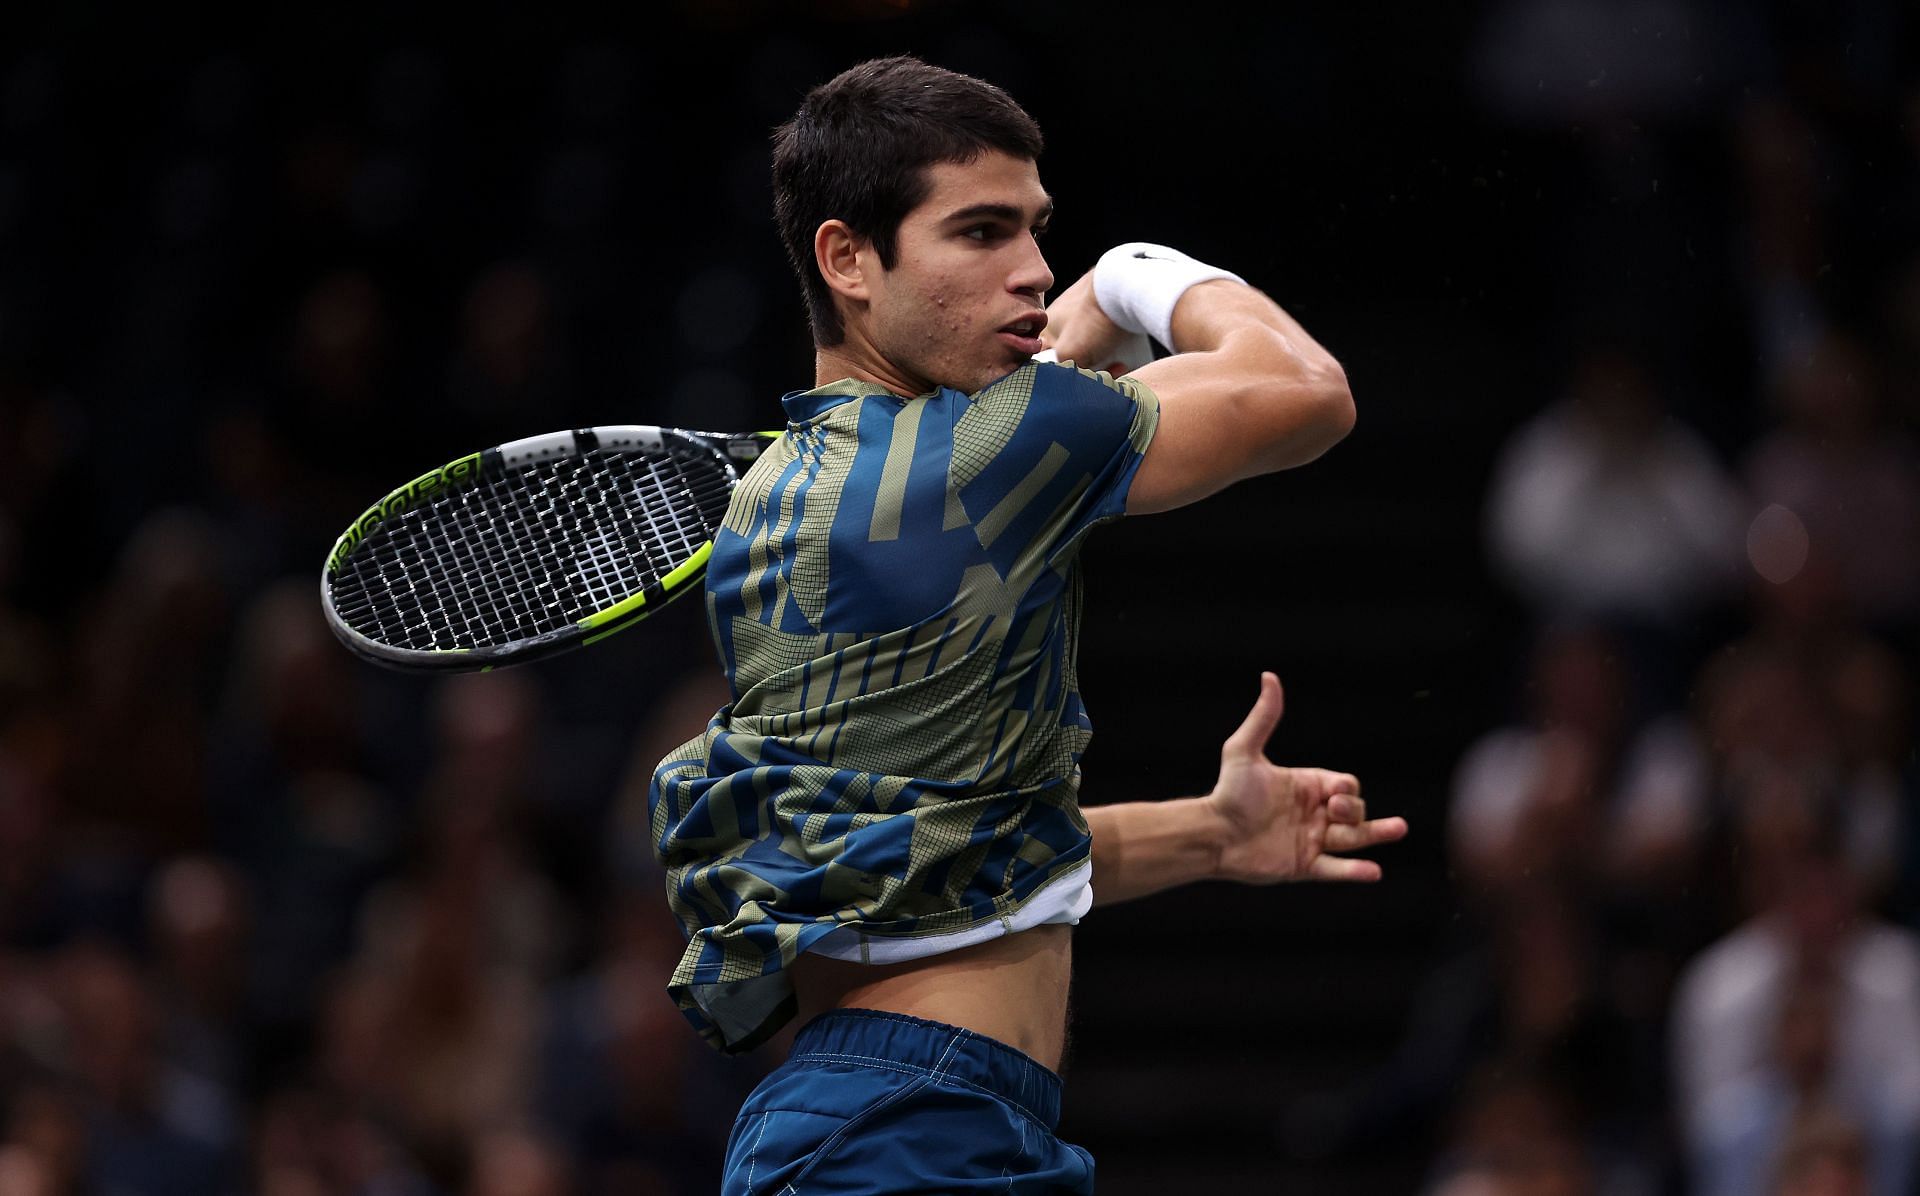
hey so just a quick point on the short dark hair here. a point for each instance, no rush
(858, 149)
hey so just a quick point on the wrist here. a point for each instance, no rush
(1138, 284)
(1149, 846)
(1213, 831)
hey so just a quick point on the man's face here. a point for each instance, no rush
(964, 302)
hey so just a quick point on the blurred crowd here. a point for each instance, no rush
(272, 921)
(1688, 853)
(275, 923)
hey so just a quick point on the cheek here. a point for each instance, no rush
(945, 311)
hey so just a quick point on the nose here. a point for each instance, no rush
(1031, 276)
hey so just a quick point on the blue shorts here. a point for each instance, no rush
(871, 1102)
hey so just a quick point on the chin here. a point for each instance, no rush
(971, 377)
(993, 373)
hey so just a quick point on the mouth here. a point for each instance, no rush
(1024, 333)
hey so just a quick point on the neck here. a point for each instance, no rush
(856, 359)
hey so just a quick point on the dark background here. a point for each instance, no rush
(253, 273)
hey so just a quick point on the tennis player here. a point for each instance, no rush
(881, 833)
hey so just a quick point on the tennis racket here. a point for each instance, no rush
(532, 547)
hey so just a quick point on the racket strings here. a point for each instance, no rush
(532, 552)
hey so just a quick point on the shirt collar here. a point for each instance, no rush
(803, 405)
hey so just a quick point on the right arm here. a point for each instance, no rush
(1247, 392)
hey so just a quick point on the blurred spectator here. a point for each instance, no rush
(517, 1162)
(1537, 993)
(637, 1103)
(424, 1036)
(294, 806)
(507, 377)
(22, 1173)
(1811, 1002)
(1604, 506)
(31, 865)
(1848, 475)
(1781, 207)
(342, 344)
(200, 943)
(1804, 700)
(1541, 793)
(152, 1128)
(1823, 1155)
(479, 818)
(52, 555)
(147, 658)
(1516, 1133)
(1743, 1132)
(433, 1025)
(46, 1142)
(306, 1143)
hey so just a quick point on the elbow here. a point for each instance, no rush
(1336, 403)
(1324, 410)
(1312, 413)
(1299, 420)
(1309, 391)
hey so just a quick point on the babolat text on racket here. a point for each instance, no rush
(532, 547)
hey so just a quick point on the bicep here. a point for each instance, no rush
(1221, 423)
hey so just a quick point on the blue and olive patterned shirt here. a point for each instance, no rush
(895, 598)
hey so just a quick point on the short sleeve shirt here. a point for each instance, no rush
(895, 599)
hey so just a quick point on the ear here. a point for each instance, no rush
(837, 254)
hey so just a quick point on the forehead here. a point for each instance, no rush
(992, 178)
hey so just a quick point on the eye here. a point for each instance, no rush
(981, 232)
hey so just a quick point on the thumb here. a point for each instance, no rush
(1254, 731)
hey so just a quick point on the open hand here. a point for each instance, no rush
(1287, 823)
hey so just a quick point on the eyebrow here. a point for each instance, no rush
(999, 211)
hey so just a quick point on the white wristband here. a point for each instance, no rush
(1139, 283)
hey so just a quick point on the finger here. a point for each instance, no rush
(1329, 782)
(1369, 834)
(1254, 731)
(1344, 807)
(1332, 867)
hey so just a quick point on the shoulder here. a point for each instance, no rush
(1887, 955)
(1066, 378)
(1077, 405)
(1738, 972)
(1062, 403)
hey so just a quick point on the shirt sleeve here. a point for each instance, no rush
(1047, 453)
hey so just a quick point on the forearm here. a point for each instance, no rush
(1247, 391)
(1208, 314)
(1258, 403)
(1145, 847)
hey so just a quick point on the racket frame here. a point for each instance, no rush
(735, 451)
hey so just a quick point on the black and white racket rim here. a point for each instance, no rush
(531, 548)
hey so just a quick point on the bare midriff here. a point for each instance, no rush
(1012, 988)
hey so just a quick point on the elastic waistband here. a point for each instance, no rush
(877, 1038)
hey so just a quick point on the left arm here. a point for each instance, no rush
(1261, 824)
